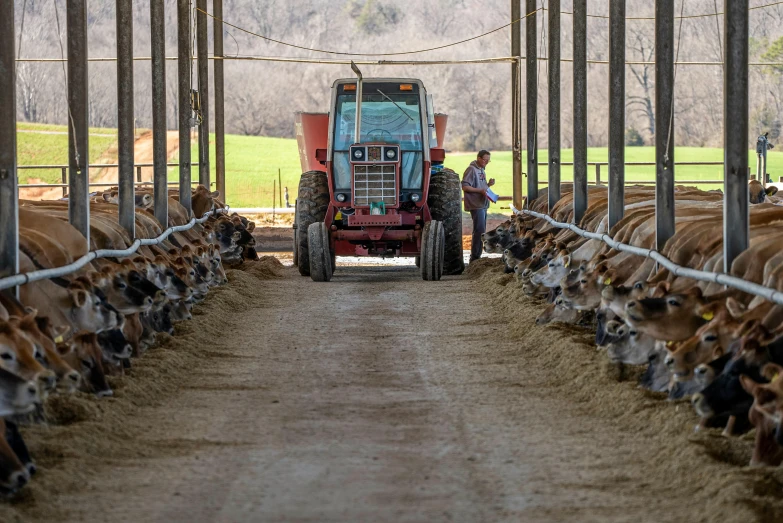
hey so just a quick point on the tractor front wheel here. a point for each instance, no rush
(311, 205)
(444, 200)
(432, 250)
(320, 254)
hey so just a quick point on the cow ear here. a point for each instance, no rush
(708, 311)
(750, 386)
(64, 348)
(214, 194)
(79, 297)
(771, 190)
(566, 260)
(772, 371)
(735, 308)
(106, 196)
(717, 352)
(251, 226)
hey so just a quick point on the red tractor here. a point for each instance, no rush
(374, 182)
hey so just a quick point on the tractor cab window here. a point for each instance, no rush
(387, 117)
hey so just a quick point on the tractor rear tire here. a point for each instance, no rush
(311, 206)
(320, 254)
(432, 250)
(445, 200)
(417, 261)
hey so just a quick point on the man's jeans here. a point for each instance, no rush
(479, 227)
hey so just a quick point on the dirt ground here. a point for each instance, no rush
(380, 397)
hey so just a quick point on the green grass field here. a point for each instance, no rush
(43, 144)
(253, 162)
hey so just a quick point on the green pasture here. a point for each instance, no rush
(43, 144)
(253, 163)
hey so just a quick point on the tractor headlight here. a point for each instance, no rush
(389, 153)
(415, 197)
(357, 153)
(340, 197)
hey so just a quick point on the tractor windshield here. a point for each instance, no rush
(388, 117)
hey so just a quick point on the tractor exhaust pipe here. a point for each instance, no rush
(358, 131)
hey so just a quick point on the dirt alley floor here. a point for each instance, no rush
(380, 397)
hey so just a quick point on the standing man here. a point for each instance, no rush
(475, 185)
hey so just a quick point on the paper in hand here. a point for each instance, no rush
(492, 196)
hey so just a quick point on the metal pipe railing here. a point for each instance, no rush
(755, 289)
(21, 279)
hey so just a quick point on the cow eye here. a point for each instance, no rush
(87, 363)
(652, 357)
(638, 285)
(7, 356)
(710, 337)
(673, 303)
(583, 281)
(121, 285)
(551, 265)
(633, 333)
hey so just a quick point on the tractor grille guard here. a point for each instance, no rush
(373, 184)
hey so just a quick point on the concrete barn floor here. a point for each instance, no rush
(380, 397)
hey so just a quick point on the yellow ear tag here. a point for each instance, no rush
(775, 377)
(566, 264)
(708, 315)
(669, 343)
(58, 339)
(607, 281)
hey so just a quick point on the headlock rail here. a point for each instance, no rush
(21, 279)
(678, 270)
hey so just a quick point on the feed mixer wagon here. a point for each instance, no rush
(373, 181)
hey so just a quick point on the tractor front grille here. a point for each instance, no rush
(374, 183)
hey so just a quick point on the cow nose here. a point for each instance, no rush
(47, 381)
(669, 361)
(104, 393)
(74, 377)
(19, 479)
(697, 399)
(31, 468)
(147, 301)
(630, 305)
(701, 370)
(526, 272)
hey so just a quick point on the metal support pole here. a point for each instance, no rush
(158, 51)
(516, 99)
(553, 83)
(580, 109)
(616, 110)
(9, 200)
(220, 130)
(203, 91)
(531, 84)
(125, 123)
(78, 109)
(64, 178)
(184, 67)
(664, 122)
(736, 210)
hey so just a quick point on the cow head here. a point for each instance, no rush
(765, 415)
(673, 317)
(758, 193)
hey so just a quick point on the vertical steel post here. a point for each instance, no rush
(9, 200)
(125, 123)
(220, 130)
(516, 99)
(203, 90)
(553, 83)
(664, 122)
(736, 220)
(531, 84)
(158, 51)
(184, 69)
(580, 109)
(78, 109)
(616, 110)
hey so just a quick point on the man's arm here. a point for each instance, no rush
(469, 180)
